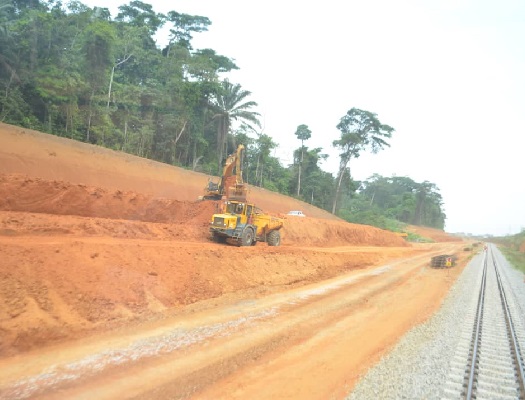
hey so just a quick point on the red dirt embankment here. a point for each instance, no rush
(188, 220)
(92, 239)
(53, 158)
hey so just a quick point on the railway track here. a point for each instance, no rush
(488, 363)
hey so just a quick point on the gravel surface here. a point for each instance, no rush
(516, 280)
(421, 364)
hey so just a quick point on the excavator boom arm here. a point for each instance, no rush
(231, 183)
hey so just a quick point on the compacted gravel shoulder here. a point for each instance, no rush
(420, 366)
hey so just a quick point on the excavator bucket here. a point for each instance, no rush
(238, 192)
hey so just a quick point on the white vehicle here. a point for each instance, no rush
(297, 213)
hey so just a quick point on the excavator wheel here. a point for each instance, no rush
(273, 238)
(247, 237)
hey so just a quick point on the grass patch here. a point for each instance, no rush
(516, 258)
(509, 246)
(414, 237)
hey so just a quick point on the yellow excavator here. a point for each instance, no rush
(230, 184)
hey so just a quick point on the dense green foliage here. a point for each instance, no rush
(76, 72)
(391, 202)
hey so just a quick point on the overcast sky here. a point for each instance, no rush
(448, 75)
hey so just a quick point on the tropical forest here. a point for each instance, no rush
(78, 72)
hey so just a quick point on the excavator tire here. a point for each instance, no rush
(273, 238)
(247, 237)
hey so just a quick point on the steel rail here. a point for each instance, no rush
(515, 348)
(477, 331)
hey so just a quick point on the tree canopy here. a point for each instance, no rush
(402, 199)
(74, 71)
(360, 130)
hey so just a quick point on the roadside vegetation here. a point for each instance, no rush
(513, 247)
(77, 72)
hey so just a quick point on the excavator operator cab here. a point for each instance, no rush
(212, 186)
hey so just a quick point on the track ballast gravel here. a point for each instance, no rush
(421, 364)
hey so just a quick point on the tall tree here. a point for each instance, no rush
(264, 145)
(316, 184)
(184, 25)
(360, 130)
(230, 106)
(140, 14)
(303, 133)
(428, 206)
(5, 8)
(8, 73)
(98, 47)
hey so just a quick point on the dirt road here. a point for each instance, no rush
(310, 342)
(111, 288)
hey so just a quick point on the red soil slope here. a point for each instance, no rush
(91, 239)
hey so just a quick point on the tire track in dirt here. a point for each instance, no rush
(306, 310)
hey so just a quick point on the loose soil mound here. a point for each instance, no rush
(26, 194)
(92, 239)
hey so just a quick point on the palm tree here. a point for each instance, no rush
(230, 106)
